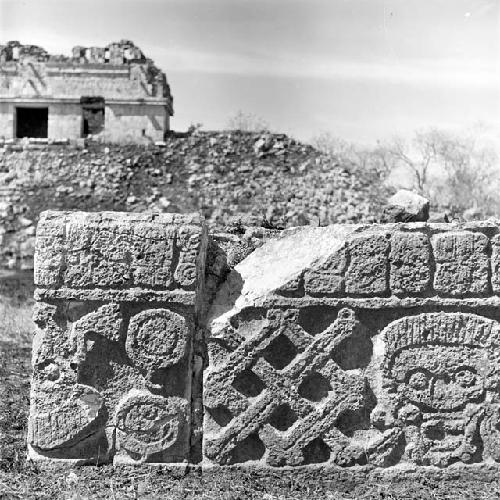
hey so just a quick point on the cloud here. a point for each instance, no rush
(442, 72)
(484, 7)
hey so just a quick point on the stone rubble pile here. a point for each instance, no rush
(16, 50)
(268, 177)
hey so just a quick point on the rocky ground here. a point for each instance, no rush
(268, 178)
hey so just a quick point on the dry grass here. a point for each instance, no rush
(16, 323)
(143, 482)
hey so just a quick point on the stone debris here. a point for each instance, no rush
(14, 50)
(215, 173)
(407, 206)
(346, 345)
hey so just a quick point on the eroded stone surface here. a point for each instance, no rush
(96, 250)
(495, 263)
(368, 268)
(441, 378)
(461, 263)
(410, 263)
(112, 372)
(150, 426)
(157, 339)
(279, 391)
(328, 277)
(360, 357)
(344, 346)
(406, 206)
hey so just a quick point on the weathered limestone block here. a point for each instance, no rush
(441, 372)
(461, 263)
(328, 277)
(342, 346)
(406, 206)
(495, 263)
(113, 351)
(313, 359)
(89, 251)
(367, 273)
(410, 263)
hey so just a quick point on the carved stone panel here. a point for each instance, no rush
(279, 394)
(461, 263)
(364, 346)
(113, 350)
(367, 272)
(345, 346)
(410, 258)
(441, 384)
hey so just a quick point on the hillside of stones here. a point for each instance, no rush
(264, 179)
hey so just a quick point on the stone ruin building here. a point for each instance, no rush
(113, 92)
(341, 346)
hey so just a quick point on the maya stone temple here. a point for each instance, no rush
(112, 92)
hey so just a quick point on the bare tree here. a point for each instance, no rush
(247, 122)
(329, 144)
(453, 170)
(418, 156)
(471, 170)
(456, 171)
(360, 159)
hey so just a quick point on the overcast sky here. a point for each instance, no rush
(360, 69)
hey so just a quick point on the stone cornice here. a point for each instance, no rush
(76, 100)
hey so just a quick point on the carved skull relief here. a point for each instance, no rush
(441, 373)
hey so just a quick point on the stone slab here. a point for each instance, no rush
(113, 349)
(357, 346)
(342, 347)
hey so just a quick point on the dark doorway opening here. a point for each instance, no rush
(93, 115)
(32, 122)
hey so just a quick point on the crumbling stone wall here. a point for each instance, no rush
(344, 346)
(137, 101)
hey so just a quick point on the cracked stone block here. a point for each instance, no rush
(327, 277)
(324, 346)
(285, 375)
(495, 263)
(367, 273)
(358, 376)
(462, 264)
(410, 263)
(113, 348)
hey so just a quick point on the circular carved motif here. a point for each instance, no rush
(149, 424)
(156, 339)
(185, 274)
